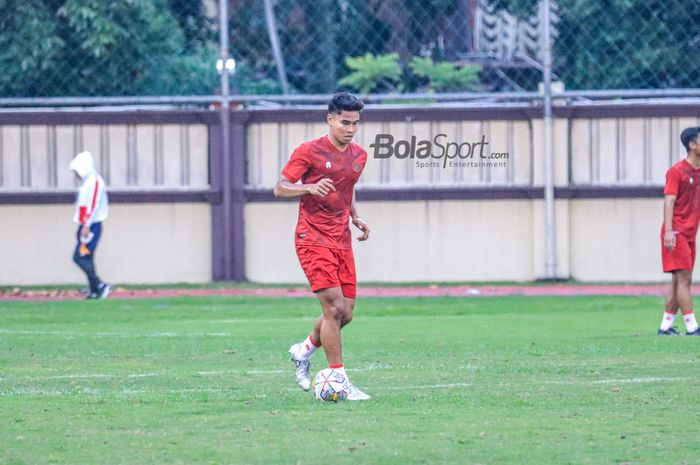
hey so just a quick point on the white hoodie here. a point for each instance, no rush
(92, 205)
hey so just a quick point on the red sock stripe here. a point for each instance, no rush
(315, 344)
(340, 365)
(687, 312)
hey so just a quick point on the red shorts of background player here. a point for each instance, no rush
(325, 267)
(682, 257)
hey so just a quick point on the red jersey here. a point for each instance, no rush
(324, 221)
(683, 181)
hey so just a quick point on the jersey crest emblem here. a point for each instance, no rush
(356, 167)
(328, 164)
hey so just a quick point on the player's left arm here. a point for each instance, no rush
(357, 221)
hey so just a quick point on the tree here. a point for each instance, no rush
(444, 76)
(92, 47)
(621, 44)
(371, 73)
(627, 44)
(194, 23)
(30, 46)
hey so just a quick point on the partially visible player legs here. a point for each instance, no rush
(87, 264)
(98, 289)
(337, 313)
(685, 301)
(670, 311)
(301, 354)
(84, 257)
(326, 329)
(333, 304)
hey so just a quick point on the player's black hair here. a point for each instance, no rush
(344, 101)
(689, 135)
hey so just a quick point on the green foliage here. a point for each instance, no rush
(194, 23)
(92, 47)
(446, 77)
(371, 72)
(627, 44)
(29, 44)
(147, 47)
(247, 82)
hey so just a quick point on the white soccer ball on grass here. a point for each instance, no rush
(330, 386)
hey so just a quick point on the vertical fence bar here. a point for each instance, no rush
(237, 187)
(225, 144)
(275, 44)
(551, 258)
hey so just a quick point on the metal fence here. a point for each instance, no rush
(54, 48)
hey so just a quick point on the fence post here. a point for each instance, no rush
(551, 252)
(227, 239)
(238, 200)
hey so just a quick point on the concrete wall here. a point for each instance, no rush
(604, 239)
(141, 243)
(616, 240)
(410, 241)
(465, 224)
(161, 242)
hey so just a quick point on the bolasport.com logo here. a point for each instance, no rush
(439, 152)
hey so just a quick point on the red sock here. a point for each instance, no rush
(314, 343)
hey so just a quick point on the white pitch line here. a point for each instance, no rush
(85, 376)
(105, 335)
(426, 386)
(32, 391)
(374, 367)
(78, 376)
(650, 379)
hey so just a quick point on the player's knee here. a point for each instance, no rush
(683, 278)
(335, 309)
(347, 314)
(79, 260)
(347, 318)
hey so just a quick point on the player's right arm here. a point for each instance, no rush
(673, 182)
(669, 233)
(87, 202)
(285, 188)
(293, 171)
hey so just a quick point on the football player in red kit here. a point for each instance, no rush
(680, 226)
(328, 168)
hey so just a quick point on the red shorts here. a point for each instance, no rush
(325, 267)
(682, 257)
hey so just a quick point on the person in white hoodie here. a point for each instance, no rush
(91, 209)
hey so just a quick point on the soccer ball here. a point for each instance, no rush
(330, 386)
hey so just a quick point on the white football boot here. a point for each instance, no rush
(303, 367)
(356, 394)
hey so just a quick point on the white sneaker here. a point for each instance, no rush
(303, 367)
(356, 394)
(105, 290)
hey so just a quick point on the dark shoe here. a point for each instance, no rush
(694, 333)
(669, 332)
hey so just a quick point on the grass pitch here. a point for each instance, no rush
(514, 380)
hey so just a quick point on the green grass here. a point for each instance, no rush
(9, 289)
(454, 381)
